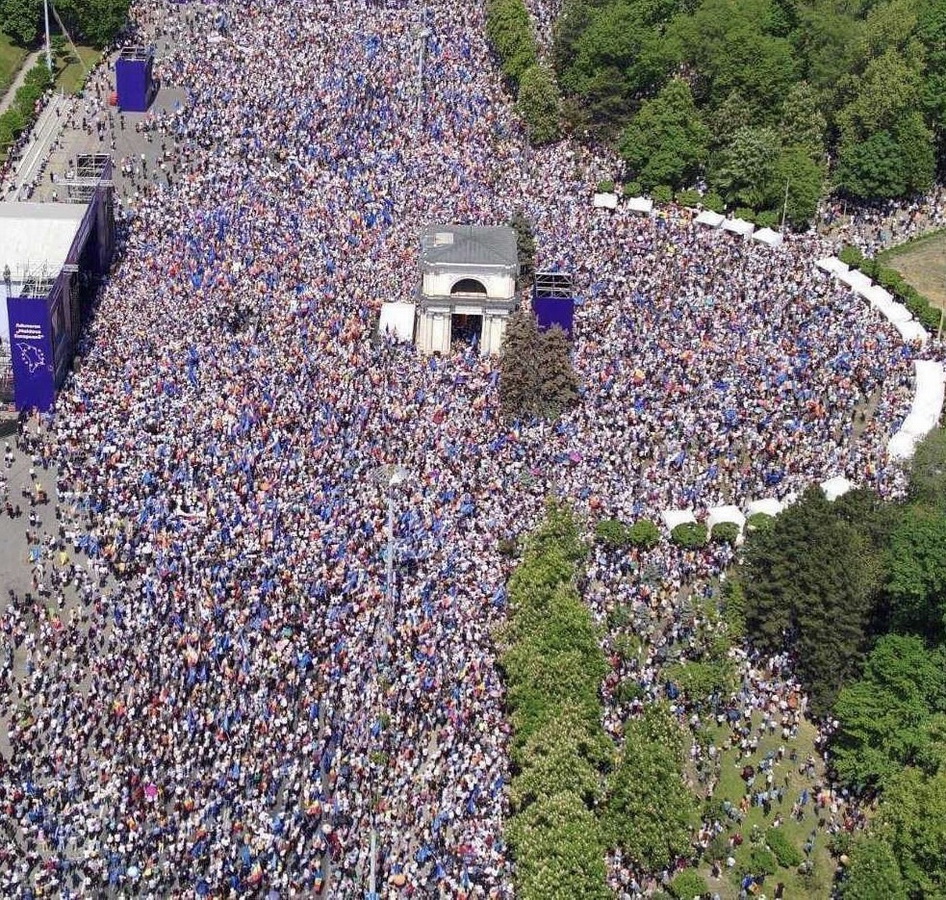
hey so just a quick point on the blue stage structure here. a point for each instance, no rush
(553, 300)
(134, 79)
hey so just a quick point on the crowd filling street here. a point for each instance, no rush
(190, 678)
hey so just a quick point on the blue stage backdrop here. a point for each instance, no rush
(553, 300)
(551, 311)
(32, 352)
(133, 79)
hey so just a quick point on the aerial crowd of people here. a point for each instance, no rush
(220, 693)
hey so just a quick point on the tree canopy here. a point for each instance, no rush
(755, 95)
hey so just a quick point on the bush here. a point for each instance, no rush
(644, 534)
(606, 186)
(787, 855)
(714, 202)
(687, 885)
(689, 535)
(761, 862)
(768, 218)
(725, 533)
(611, 533)
(663, 193)
(851, 255)
(688, 197)
(760, 521)
(744, 212)
(539, 105)
(633, 189)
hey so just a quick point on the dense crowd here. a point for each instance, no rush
(230, 705)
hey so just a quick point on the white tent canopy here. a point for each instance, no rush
(719, 514)
(858, 281)
(710, 218)
(674, 517)
(604, 201)
(832, 265)
(397, 319)
(836, 487)
(767, 236)
(769, 506)
(738, 226)
(912, 331)
(640, 204)
(925, 411)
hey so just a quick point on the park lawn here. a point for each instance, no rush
(11, 58)
(71, 77)
(922, 262)
(731, 787)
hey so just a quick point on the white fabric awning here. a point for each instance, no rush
(855, 280)
(605, 201)
(640, 204)
(832, 265)
(738, 226)
(732, 514)
(674, 517)
(710, 218)
(769, 506)
(925, 411)
(836, 487)
(767, 236)
(912, 331)
(397, 319)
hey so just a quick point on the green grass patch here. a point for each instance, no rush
(731, 787)
(11, 58)
(930, 237)
(72, 76)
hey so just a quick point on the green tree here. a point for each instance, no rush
(525, 246)
(912, 820)
(885, 716)
(873, 872)
(558, 381)
(615, 57)
(509, 30)
(519, 365)
(802, 122)
(917, 571)
(872, 168)
(22, 20)
(559, 855)
(651, 814)
(539, 104)
(666, 143)
(746, 171)
(928, 471)
(803, 177)
(812, 582)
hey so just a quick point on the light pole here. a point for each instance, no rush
(49, 54)
(391, 477)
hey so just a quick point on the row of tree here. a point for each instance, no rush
(762, 96)
(572, 794)
(856, 590)
(24, 108)
(96, 22)
(509, 30)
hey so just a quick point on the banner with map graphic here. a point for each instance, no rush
(31, 350)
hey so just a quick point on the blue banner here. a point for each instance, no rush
(31, 349)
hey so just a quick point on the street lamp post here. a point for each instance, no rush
(391, 478)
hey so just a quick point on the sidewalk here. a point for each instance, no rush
(6, 101)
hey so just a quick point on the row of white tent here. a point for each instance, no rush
(879, 298)
(927, 407)
(610, 201)
(770, 506)
(738, 226)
